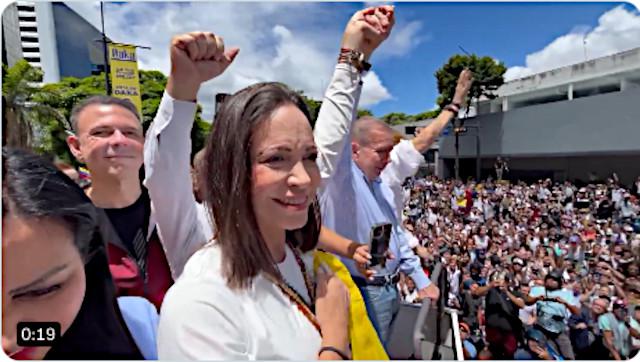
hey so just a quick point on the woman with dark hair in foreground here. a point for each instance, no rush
(55, 269)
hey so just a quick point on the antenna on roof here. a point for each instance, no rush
(464, 51)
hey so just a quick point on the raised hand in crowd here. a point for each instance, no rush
(465, 80)
(368, 28)
(429, 134)
(196, 57)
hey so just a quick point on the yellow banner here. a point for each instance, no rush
(125, 82)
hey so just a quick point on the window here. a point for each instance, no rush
(32, 29)
(29, 38)
(26, 8)
(579, 93)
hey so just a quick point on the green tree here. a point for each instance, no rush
(364, 112)
(487, 74)
(396, 118)
(427, 115)
(65, 94)
(22, 113)
(314, 108)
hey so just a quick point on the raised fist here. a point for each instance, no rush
(196, 57)
(368, 28)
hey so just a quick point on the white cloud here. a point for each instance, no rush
(404, 38)
(618, 29)
(274, 46)
(373, 91)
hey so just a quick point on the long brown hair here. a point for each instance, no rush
(228, 174)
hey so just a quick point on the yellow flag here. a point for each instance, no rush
(365, 344)
(124, 74)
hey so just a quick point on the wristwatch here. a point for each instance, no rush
(355, 58)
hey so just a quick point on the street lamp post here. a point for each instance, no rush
(461, 130)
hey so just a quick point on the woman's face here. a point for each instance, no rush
(285, 174)
(43, 278)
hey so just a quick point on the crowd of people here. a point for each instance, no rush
(258, 247)
(541, 271)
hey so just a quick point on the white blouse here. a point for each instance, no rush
(203, 319)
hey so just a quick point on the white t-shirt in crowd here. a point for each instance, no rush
(544, 193)
(203, 319)
(481, 242)
(616, 195)
(527, 313)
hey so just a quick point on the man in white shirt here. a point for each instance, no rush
(482, 239)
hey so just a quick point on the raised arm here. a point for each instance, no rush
(366, 30)
(429, 134)
(364, 33)
(195, 57)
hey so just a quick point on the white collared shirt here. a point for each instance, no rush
(203, 319)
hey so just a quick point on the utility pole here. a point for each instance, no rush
(105, 51)
(107, 81)
(458, 130)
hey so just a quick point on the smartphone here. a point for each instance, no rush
(379, 239)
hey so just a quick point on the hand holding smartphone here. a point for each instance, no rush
(379, 239)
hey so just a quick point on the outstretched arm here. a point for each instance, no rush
(429, 134)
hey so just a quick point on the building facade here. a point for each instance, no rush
(409, 131)
(52, 37)
(578, 122)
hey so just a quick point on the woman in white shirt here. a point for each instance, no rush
(252, 293)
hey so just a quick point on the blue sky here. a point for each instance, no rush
(297, 43)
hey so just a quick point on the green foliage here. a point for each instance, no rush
(152, 84)
(47, 108)
(364, 112)
(395, 118)
(487, 75)
(63, 96)
(314, 108)
(23, 111)
(427, 115)
(199, 132)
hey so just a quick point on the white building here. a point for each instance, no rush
(409, 131)
(576, 122)
(614, 73)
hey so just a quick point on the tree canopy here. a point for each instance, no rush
(37, 116)
(487, 77)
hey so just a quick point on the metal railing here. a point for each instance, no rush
(428, 331)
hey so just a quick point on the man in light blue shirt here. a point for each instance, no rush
(554, 305)
(353, 201)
